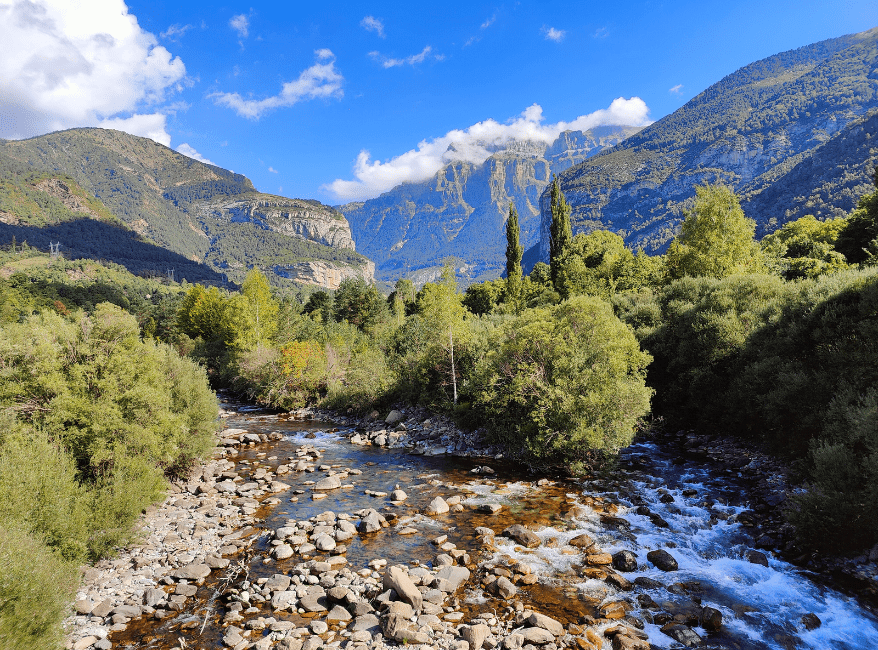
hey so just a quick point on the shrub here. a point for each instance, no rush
(561, 382)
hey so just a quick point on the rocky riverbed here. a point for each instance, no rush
(372, 536)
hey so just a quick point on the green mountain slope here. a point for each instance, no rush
(756, 129)
(157, 199)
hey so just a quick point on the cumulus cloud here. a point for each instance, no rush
(474, 145)
(320, 80)
(414, 59)
(67, 64)
(372, 24)
(272, 170)
(152, 125)
(240, 24)
(553, 34)
(188, 150)
(676, 90)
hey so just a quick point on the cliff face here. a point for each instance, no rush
(302, 219)
(325, 274)
(755, 130)
(462, 210)
(207, 215)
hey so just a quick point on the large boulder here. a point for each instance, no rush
(397, 579)
(396, 627)
(624, 561)
(328, 483)
(541, 620)
(522, 535)
(437, 506)
(475, 635)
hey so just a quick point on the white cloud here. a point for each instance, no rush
(553, 34)
(474, 145)
(240, 24)
(68, 64)
(676, 90)
(320, 80)
(188, 150)
(490, 21)
(372, 24)
(414, 59)
(151, 126)
(175, 32)
(272, 170)
(601, 32)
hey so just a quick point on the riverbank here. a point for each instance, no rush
(317, 547)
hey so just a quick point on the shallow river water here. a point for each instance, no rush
(762, 606)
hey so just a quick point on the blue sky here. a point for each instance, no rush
(340, 101)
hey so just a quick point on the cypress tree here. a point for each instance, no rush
(514, 253)
(560, 233)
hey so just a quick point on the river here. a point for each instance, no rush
(685, 510)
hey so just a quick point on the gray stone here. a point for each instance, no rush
(475, 635)
(541, 620)
(328, 483)
(393, 417)
(283, 600)
(278, 582)
(503, 588)
(192, 572)
(366, 623)
(319, 627)
(682, 634)
(338, 614)
(371, 523)
(397, 579)
(283, 551)
(522, 535)
(402, 631)
(313, 603)
(324, 543)
(537, 635)
(152, 597)
(449, 578)
(711, 619)
(437, 507)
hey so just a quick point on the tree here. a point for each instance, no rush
(805, 248)
(359, 304)
(858, 242)
(440, 306)
(559, 382)
(716, 239)
(514, 252)
(560, 232)
(260, 310)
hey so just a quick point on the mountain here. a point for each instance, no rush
(791, 134)
(461, 211)
(108, 194)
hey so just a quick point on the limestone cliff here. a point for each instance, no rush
(462, 210)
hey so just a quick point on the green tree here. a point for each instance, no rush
(260, 311)
(858, 242)
(359, 304)
(484, 297)
(716, 239)
(560, 382)
(443, 312)
(514, 252)
(805, 248)
(319, 302)
(560, 231)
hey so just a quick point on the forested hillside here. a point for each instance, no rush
(108, 195)
(756, 130)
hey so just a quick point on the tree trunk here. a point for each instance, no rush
(453, 371)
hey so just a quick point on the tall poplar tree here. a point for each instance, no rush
(561, 232)
(514, 253)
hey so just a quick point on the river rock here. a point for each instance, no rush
(397, 579)
(324, 543)
(541, 620)
(449, 579)
(625, 561)
(338, 614)
(537, 635)
(711, 619)
(682, 634)
(490, 508)
(522, 535)
(475, 635)
(625, 642)
(152, 597)
(278, 582)
(662, 560)
(437, 506)
(398, 495)
(283, 600)
(756, 557)
(193, 571)
(402, 631)
(599, 559)
(393, 417)
(613, 610)
(283, 551)
(319, 627)
(328, 483)
(371, 523)
(503, 588)
(811, 621)
(581, 541)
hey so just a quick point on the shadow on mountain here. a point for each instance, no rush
(97, 240)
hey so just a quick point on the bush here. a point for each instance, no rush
(36, 588)
(559, 383)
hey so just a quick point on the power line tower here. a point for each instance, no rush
(170, 275)
(55, 249)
